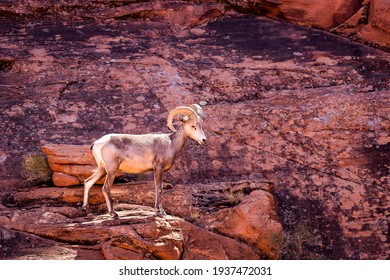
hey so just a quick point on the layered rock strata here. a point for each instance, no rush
(52, 215)
(299, 107)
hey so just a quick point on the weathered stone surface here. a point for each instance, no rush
(137, 234)
(378, 26)
(65, 180)
(179, 14)
(72, 164)
(78, 170)
(367, 20)
(69, 154)
(322, 14)
(254, 221)
(177, 200)
(17, 245)
(299, 107)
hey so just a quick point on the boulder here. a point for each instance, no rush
(69, 154)
(64, 180)
(321, 14)
(72, 164)
(138, 234)
(377, 30)
(253, 221)
(194, 228)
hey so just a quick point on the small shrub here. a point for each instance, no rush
(195, 212)
(233, 197)
(35, 169)
(294, 243)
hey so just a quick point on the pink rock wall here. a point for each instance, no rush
(366, 20)
(295, 106)
(322, 14)
(377, 30)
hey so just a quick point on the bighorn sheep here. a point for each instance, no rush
(142, 153)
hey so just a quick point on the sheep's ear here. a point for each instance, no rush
(184, 119)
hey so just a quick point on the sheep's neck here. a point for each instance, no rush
(178, 141)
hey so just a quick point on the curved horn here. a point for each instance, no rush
(180, 110)
(197, 109)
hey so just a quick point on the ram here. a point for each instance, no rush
(143, 153)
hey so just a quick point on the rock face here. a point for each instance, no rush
(378, 26)
(366, 20)
(254, 221)
(302, 108)
(71, 164)
(322, 14)
(138, 233)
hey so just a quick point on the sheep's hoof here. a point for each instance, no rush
(161, 213)
(85, 208)
(114, 215)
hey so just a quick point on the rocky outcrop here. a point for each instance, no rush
(322, 14)
(366, 20)
(299, 107)
(179, 14)
(71, 164)
(253, 221)
(139, 233)
(378, 23)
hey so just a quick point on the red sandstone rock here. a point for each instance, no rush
(69, 154)
(64, 180)
(322, 14)
(299, 107)
(368, 20)
(254, 221)
(72, 164)
(377, 29)
(138, 234)
(178, 200)
(73, 169)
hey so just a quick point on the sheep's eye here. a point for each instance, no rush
(194, 127)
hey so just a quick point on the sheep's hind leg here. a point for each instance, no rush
(106, 192)
(88, 184)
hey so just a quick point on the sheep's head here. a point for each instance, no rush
(191, 117)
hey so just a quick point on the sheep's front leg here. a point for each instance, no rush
(158, 172)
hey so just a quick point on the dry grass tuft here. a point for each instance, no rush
(35, 169)
(294, 243)
(233, 197)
